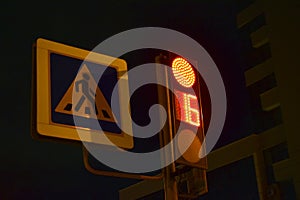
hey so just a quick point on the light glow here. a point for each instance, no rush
(183, 72)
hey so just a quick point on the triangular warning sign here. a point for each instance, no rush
(86, 103)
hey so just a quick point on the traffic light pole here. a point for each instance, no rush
(170, 184)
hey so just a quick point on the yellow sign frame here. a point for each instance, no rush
(44, 124)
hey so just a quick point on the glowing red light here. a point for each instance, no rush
(187, 108)
(183, 72)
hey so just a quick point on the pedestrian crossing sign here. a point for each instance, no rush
(70, 96)
(84, 99)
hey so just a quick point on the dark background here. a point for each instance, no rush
(47, 170)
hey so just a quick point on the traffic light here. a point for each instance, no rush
(185, 109)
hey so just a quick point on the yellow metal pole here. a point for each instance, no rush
(261, 178)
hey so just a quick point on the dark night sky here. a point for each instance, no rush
(46, 170)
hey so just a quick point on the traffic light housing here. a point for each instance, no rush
(185, 109)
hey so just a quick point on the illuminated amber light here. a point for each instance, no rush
(187, 108)
(183, 72)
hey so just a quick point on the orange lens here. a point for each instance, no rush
(183, 72)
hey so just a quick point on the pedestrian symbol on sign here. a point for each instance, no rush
(86, 93)
(88, 104)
